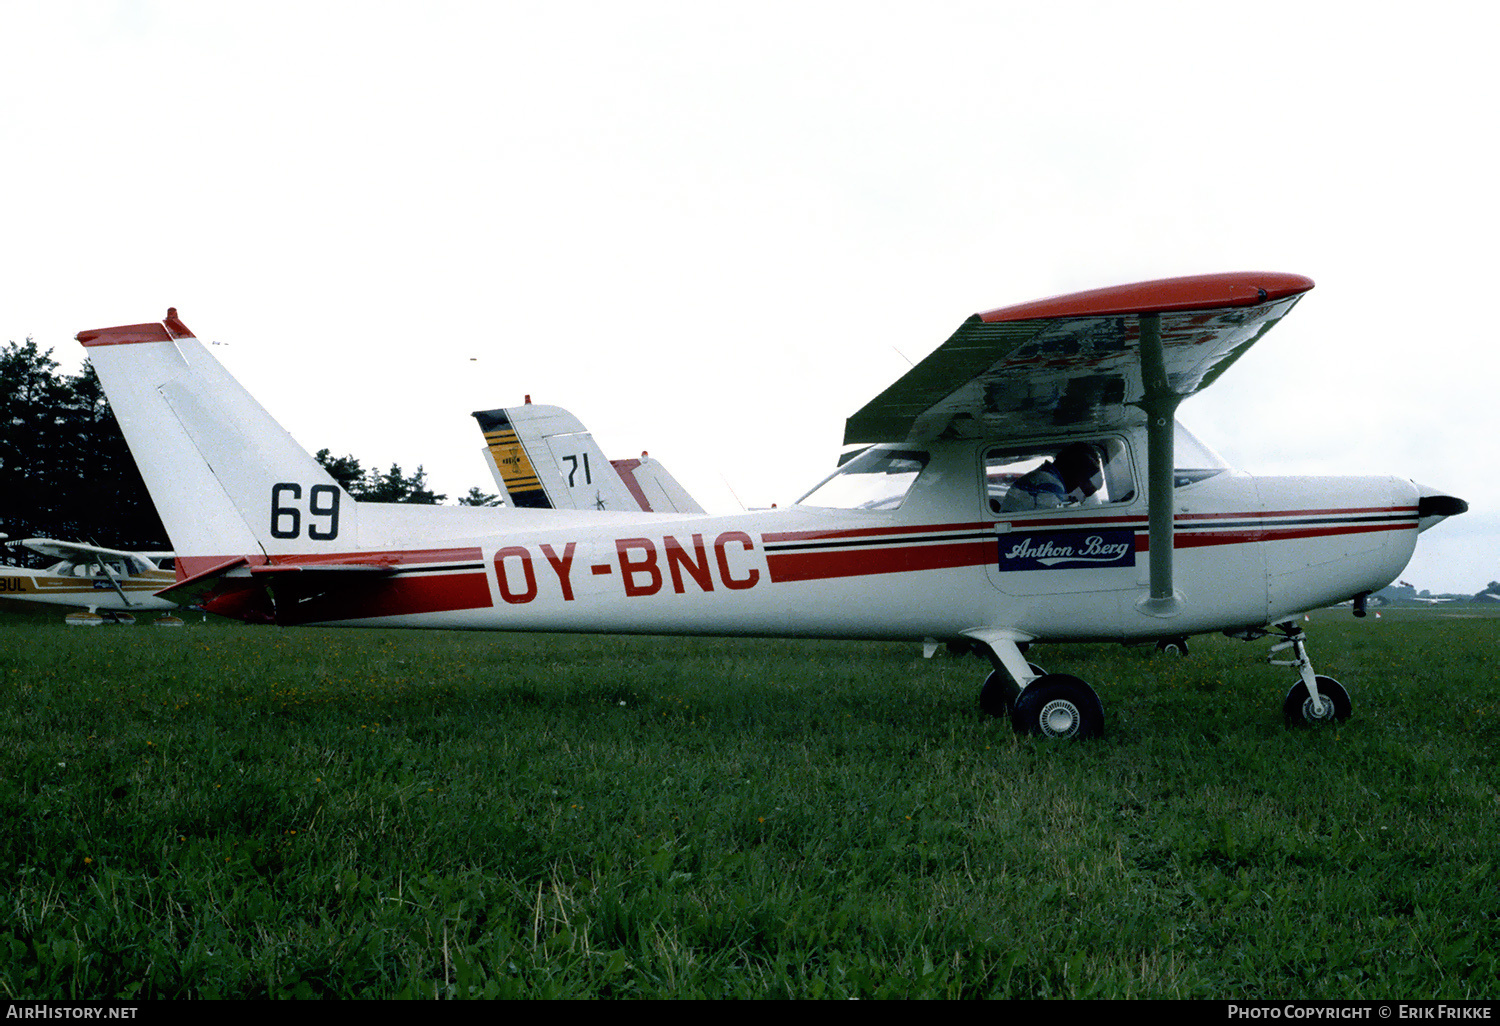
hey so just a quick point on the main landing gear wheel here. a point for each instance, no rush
(998, 693)
(1300, 711)
(1058, 706)
(1172, 646)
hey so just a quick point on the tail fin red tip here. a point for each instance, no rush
(126, 334)
(175, 326)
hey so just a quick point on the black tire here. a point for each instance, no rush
(1173, 646)
(1058, 706)
(997, 693)
(1298, 705)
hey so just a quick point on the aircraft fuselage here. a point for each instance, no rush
(88, 590)
(1249, 551)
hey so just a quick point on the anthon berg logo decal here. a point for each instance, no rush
(1067, 550)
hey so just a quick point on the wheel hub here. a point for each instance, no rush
(1314, 711)
(1059, 718)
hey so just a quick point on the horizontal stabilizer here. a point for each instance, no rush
(190, 590)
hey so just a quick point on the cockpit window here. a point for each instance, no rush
(875, 479)
(1053, 475)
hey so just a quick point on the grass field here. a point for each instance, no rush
(231, 811)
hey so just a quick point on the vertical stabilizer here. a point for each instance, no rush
(544, 458)
(653, 487)
(225, 477)
(510, 461)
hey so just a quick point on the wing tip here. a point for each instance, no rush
(1195, 292)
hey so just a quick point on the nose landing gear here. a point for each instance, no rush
(1313, 699)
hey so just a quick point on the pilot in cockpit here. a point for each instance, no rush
(1072, 476)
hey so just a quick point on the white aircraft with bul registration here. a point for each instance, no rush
(958, 523)
(109, 585)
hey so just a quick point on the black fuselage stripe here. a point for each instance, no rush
(879, 543)
(1201, 528)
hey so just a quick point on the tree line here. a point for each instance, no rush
(66, 472)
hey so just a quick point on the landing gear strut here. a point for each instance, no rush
(1313, 699)
(997, 696)
(1052, 705)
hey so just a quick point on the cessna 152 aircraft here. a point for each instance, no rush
(111, 585)
(946, 528)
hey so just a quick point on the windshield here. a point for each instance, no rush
(875, 479)
(1193, 460)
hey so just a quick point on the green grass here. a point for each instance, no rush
(229, 811)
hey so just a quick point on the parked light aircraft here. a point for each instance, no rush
(111, 585)
(542, 457)
(922, 536)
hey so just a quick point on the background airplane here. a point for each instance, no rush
(111, 586)
(542, 457)
(915, 538)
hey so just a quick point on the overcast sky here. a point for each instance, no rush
(714, 231)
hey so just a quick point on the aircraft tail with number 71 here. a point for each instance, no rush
(544, 458)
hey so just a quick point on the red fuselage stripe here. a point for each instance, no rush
(854, 560)
(817, 565)
(416, 585)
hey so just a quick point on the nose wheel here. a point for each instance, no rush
(1314, 699)
(1332, 704)
(1173, 647)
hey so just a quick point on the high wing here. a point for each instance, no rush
(1077, 361)
(79, 552)
(1110, 358)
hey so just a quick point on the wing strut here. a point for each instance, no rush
(115, 583)
(1160, 403)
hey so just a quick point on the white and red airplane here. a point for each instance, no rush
(944, 529)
